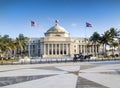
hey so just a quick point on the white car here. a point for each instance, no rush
(92, 58)
(25, 60)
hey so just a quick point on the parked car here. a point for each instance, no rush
(92, 58)
(78, 56)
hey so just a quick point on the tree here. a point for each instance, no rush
(114, 45)
(95, 38)
(108, 38)
(21, 43)
(6, 46)
(114, 33)
(114, 42)
(10, 47)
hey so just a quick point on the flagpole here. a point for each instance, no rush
(29, 47)
(33, 24)
(85, 42)
(87, 25)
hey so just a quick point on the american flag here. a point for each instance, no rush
(34, 24)
(88, 24)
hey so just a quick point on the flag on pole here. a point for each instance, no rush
(34, 24)
(88, 24)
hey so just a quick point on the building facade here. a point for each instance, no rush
(58, 43)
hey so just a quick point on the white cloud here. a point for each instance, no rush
(73, 24)
(42, 30)
(119, 25)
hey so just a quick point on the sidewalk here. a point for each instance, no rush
(62, 75)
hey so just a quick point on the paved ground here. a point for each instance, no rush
(61, 75)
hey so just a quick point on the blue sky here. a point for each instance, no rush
(15, 16)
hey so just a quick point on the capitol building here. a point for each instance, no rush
(58, 43)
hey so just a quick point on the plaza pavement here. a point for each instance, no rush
(103, 74)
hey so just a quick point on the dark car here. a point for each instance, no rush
(78, 56)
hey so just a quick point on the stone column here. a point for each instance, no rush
(81, 48)
(66, 49)
(69, 49)
(44, 49)
(59, 49)
(93, 50)
(63, 48)
(96, 49)
(55, 49)
(51, 49)
(84, 50)
(48, 49)
(90, 49)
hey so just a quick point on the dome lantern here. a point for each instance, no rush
(57, 22)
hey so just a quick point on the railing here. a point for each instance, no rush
(56, 60)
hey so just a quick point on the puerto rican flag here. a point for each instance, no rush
(34, 24)
(88, 24)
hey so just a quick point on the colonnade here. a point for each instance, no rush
(93, 49)
(56, 49)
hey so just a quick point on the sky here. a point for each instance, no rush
(16, 16)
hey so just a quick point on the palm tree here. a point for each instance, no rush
(21, 43)
(114, 45)
(5, 45)
(108, 38)
(119, 46)
(10, 47)
(114, 34)
(105, 38)
(95, 38)
(1, 47)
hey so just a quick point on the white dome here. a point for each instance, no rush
(57, 30)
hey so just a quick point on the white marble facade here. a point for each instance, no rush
(58, 43)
